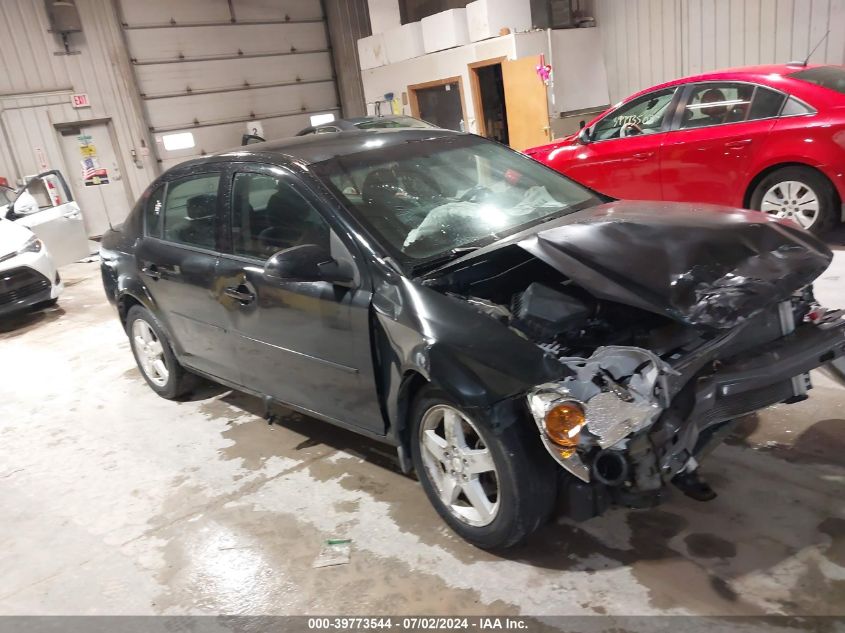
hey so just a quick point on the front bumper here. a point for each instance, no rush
(698, 416)
(777, 373)
(24, 287)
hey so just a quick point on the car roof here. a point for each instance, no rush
(315, 148)
(761, 74)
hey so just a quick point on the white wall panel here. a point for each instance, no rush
(173, 44)
(168, 79)
(181, 112)
(693, 36)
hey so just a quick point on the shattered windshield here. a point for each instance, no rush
(428, 198)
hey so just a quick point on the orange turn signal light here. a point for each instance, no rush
(563, 423)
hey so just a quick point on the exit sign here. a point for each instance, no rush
(80, 100)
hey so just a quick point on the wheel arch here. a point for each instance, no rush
(409, 387)
(749, 190)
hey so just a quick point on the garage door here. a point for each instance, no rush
(210, 71)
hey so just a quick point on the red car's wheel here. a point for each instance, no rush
(800, 194)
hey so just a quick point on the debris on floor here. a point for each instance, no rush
(335, 551)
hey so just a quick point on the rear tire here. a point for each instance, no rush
(519, 488)
(810, 191)
(154, 355)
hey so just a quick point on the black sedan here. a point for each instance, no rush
(525, 343)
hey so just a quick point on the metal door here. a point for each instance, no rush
(94, 176)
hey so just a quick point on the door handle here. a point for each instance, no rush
(240, 295)
(152, 272)
(738, 144)
(643, 155)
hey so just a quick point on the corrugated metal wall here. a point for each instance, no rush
(36, 86)
(216, 67)
(650, 41)
(349, 21)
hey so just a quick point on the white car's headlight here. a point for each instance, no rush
(33, 245)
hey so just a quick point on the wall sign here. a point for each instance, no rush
(80, 100)
(92, 173)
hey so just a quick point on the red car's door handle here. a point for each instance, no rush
(643, 155)
(738, 144)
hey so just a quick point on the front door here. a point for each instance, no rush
(708, 157)
(46, 206)
(306, 344)
(622, 158)
(177, 259)
(95, 176)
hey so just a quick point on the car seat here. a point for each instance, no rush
(199, 230)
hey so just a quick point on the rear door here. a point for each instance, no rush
(177, 260)
(303, 343)
(720, 125)
(623, 158)
(46, 206)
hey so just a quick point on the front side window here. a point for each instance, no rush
(644, 115)
(190, 211)
(716, 104)
(269, 214)
(427, 198)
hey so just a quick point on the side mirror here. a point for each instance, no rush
(582, 124)
(308, 262)
(584, 136)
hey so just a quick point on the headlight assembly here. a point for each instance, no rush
(33, 245)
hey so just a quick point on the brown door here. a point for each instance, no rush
(526, 103)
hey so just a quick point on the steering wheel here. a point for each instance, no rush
(479, 191)
(630, 129)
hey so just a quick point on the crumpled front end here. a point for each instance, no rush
(648, 421)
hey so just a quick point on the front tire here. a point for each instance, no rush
(154, 355)
(800, 194)
(493, 489)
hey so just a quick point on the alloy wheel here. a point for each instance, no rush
(150, 353)
(794, 200)
(459, 465)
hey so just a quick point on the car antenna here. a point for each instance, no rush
(810, 54)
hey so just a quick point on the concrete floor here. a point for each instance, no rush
(115, 501)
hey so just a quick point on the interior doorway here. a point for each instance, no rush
(439, 102)
(488, 92)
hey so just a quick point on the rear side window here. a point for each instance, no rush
(152, 212)
(793, 107)
(190, 211)
(766, 104)
(716, 104)
(830, 77)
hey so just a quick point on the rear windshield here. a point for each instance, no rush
(832, 77)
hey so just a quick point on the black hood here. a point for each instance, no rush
(699, 264)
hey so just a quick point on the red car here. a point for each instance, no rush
(765, 137)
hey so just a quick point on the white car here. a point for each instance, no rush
(46, 206)
(28, 276)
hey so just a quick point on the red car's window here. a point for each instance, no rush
(643, 115)
(716, 104)
(831, 77)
